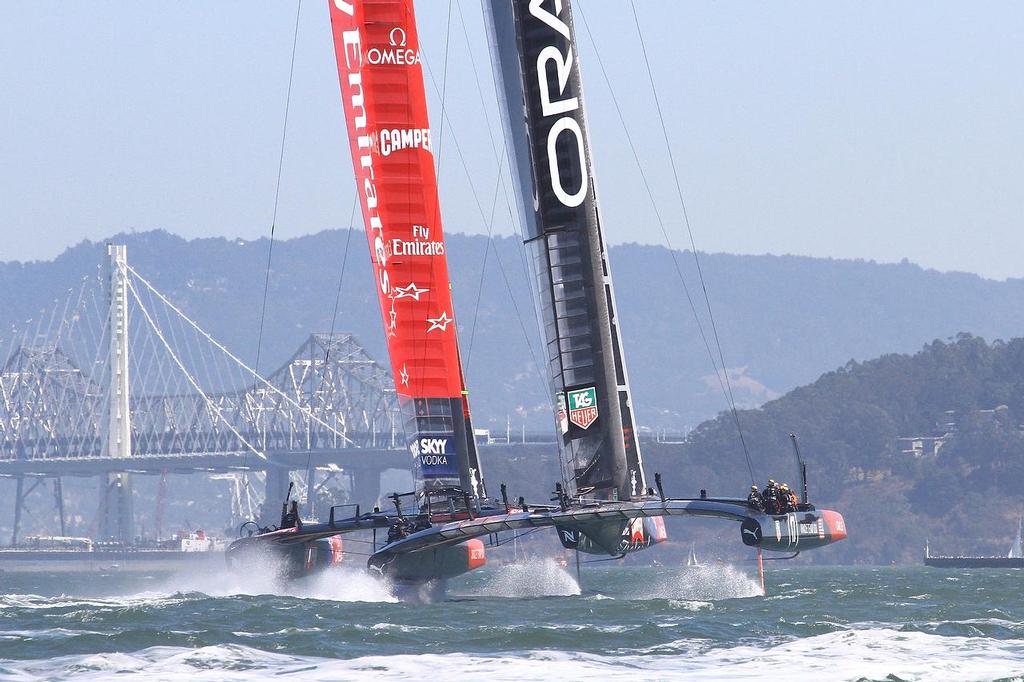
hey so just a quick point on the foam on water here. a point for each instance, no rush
(851, 654)
(540, 577)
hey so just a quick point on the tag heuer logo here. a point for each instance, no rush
(583, 407)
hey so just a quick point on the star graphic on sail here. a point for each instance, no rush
(411, 291)
(393, 323)
(404, 375)
(440, 322)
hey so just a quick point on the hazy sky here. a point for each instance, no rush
(858, 130)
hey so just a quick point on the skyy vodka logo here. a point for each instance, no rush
(554, 102)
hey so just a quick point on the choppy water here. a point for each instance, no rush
(522, 622)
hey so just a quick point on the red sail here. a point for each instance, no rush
(382, 89)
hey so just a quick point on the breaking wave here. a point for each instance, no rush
(843, 655)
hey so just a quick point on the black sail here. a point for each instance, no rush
(536, 63)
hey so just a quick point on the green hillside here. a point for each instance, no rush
(966, 497)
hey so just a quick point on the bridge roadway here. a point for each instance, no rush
(361, 459)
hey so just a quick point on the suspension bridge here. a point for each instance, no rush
(116, 380)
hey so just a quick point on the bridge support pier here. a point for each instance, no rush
(365, 487)
(19, 498)
(58, 498)
(310, 492)
(116, 509)
(276, 489)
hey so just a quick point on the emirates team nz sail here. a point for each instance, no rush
(382, 90)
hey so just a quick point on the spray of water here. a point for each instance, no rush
(530, 578)
(700, 583)
(262, 575)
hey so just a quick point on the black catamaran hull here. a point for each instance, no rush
(793, 532)
(613, 537)
(287, 561)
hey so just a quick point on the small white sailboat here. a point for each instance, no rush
(1015, 552)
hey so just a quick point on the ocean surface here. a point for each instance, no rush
(520, 622)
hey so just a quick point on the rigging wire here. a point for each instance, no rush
(501, 157)
(727, 392)
(341, 281)
(330, 335)
(686, 220)
(277, 187)
(483, 267)
(483, 216)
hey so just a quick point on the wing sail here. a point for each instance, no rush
(533, 47)
(381, 76)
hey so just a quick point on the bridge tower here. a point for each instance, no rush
(116, 517)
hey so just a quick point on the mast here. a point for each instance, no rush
(382, 89)
(533, 48)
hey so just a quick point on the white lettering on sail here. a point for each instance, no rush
(568, 124)
(559, 105)
(563, 66)
(345, 7)
(394, 140)
(397, 53)
(353, 61)
(419, 245)
(548, 18)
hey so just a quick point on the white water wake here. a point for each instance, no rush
(851, 654)
(698, 584)
(341, 583)
(530, 578)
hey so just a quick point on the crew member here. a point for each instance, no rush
(794, 501)
(291, 518)
(754, 499)
(397, 531)
(787, 500)
(771, 497)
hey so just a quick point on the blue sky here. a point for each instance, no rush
(877, 130)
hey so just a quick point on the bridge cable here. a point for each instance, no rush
(248, 370)
(212, 406)
(693, 307)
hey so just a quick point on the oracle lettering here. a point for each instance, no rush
(560, 105)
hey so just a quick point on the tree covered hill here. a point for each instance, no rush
(783, 320)
(966, 497)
